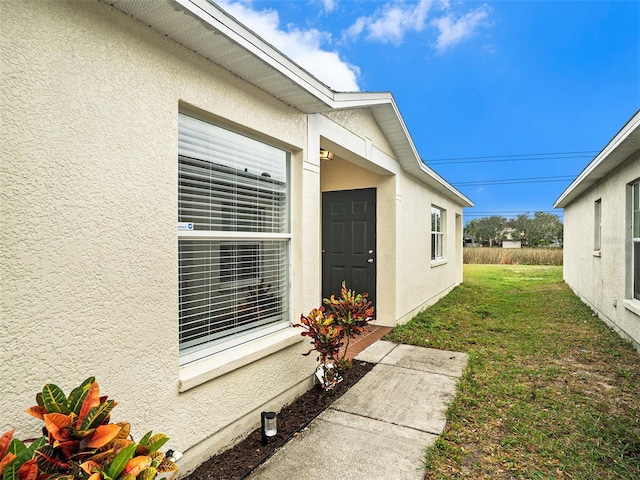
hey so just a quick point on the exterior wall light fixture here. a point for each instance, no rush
(326, 154)
(269, 426)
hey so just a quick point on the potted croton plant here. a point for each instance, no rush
(80, 443)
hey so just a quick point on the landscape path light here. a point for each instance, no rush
(269, 426)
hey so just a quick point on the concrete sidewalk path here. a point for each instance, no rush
(381, 426)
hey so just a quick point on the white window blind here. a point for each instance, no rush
(233, 264)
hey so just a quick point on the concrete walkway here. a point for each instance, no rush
(381, 426)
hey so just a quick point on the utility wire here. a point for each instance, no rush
(452, 162)
(510, 214)
(515, 158)
(498, 212)
(513, 181)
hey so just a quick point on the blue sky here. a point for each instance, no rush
(503, 80)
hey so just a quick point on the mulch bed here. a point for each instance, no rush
(239, 461)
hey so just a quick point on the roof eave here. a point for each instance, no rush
(275, 73)
(624, 144)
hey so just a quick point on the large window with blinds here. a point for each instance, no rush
(234, 236)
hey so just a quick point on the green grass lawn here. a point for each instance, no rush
(550, 391)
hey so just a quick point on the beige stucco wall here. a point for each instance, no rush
(407, 279)
(420, 281)
(361, 122)
(602, 280)
(88, 239)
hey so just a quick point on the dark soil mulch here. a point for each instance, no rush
(239, 461)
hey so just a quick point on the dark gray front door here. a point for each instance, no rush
(349, 242)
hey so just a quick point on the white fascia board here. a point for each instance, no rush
(410, 161)
(219, 19)
(453, 191)
(230, 27)
(579, 185)
(413, 162)
(344, 100)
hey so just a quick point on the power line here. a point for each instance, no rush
(543, 156)
(435, 162)
(513, 181)
(511, 213)
(496, 212)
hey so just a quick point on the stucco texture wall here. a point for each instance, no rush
(361, 122)
(602, 279)
(422, 282)
(407, 281)
(90, 102)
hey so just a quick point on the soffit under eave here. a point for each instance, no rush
(249, 57)
(611, 157)
(582, 185)
(209, 34)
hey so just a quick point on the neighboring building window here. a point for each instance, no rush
(233, 242)
(635, 220)
(597, 220)
(437, 233)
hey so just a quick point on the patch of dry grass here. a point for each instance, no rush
(512, 256)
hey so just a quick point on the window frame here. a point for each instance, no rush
(597, 227)
(437, 234)
(254, 235)
(634, 267)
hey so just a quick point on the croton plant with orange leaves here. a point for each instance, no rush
(329, 328)
(79, 443)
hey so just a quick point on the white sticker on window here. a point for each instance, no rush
(184, 226)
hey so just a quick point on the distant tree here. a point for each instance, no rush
(489, 230)
(520, 226)
(546, 228)
(472, 228)
(538, 231)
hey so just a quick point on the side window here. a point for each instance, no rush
(635, 239)
(437, 233)
(597, 225)
(233, 238)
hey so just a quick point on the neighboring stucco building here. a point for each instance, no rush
(602, 232)
(120, 121)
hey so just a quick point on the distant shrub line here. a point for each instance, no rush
(513, 256)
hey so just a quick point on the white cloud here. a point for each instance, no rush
(305, 47)
(392, 21)
(452, 31)
(329, 5)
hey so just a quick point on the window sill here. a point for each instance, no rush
(632, 305)
(215, 366)
(597, 253)
(437, 263)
